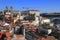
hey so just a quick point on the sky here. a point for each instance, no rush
(41, 5)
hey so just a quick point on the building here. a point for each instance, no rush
(54, 17)
(7, 14)
(36, 12)
(32, 15)
(50, 15)
(45, 20)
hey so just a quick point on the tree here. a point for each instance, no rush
(11, 10)
(6, 8)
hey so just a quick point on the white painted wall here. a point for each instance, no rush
(45, 21)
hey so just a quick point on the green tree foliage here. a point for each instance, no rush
(6, 8)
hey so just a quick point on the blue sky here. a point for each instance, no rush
(42, 5)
